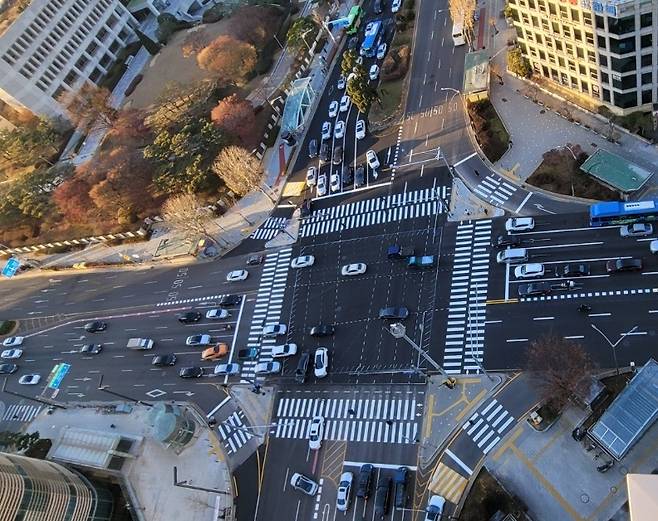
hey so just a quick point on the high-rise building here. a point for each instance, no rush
(605, 51)
(43, 490)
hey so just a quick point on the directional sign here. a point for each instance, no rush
(11, 267)
(57, 375)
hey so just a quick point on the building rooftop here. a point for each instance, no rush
(476, 72)
(615, 171)
(642, 496)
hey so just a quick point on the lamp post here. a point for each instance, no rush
(613, 346)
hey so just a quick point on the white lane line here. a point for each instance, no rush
(543, 318)
(218, 406)
(465, 159)
(600, 314)
(359, 464)
(573, 337)
(459, 462)
(509, 340)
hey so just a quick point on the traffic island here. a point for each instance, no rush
(490, 132)
(7, 327)
(488, 499)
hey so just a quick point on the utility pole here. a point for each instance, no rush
(105, 389)
(613, 346)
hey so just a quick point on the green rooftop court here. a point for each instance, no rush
(616, 172)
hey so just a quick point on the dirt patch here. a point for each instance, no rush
(488, 497)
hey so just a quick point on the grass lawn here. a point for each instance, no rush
(489, 129)
(391, 96)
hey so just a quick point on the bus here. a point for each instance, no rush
(371, 40)
(354, 19)
(616, 213)
(458, 33)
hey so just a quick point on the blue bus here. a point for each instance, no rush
(616, 213)
(372, 38)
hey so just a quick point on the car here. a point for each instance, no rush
(534, 289)
(326, 130)
(343, 492)
(315, 433)
(190, 317)
(341, 82)
(274, 330)
(373, 74)
(163, 360)
(197, 340)
(217, 314)
(339, 130)
(381, 51)
(313, 148)
(304, 261)
(359, 60)
(335, 183)
(393, 312)
(576, 270)
(350, 270)
(248, 353)
(434, 510)
(191, 372)
(348, 175)
(395, 6)
(507, 241)
(321, 362)
(95, 327)
(236, 275)
(322, 185)
(267, 368)
(11, 354)
(311, 176)
(372, 159)
(400, 480)
(8, 368)
(353, 42)
(229, 301)
(338, 155)
(519, 224)
(636, 230)
(283, 350)
(303, 484)
(333, 109)
(325, 152)
(378, 6)
(29, 379)
(215, 352)
(255, 260)
(226, 369)
(364, 480)
(621, 265)
(360, 129)
(359, 176)
(653, 246)
(382, 496)
(91, 349)
(322, 330)
(529, 271)
(302, 367)
(345, 103)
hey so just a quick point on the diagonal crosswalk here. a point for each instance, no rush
(487, 426)
(269, 229)
(495, 190)
(233, 432)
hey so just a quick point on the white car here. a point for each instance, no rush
(341, 82)
(519, 224)
(215, 314)
(311, 176)
(381, 51)
(29, 379)
(395, 6)
(198, 340)
(268, 368)
(360, 129)
(322, 185)
(636, 230)
(13, 341)
(374, 72)
(333, 109)
(349, 270)
(359, 60)
(339, 130)
(372, 159)
(529, 271)
(273, 330)
(237, 275)
(344, 103)
(284, 350)
(304, 261)
(343, 493)
(315, 432)
(303, 484)
(321, 362)
(434, 510)
(326, 130)
(10, 354)
(335, 183)
(226, 369)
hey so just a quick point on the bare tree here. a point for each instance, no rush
(184, 213)
(241, 171)
(464, 10)
(88, 105)
(560, 366)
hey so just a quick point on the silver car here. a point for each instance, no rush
(344, 489)
(636, 230)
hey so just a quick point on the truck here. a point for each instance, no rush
(396, 251)
(140, 344)
(420, 262)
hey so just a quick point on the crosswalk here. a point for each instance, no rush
(495, 190)
(269, 303)
(233, 432)
(592, 294)
(381, 420)
(487, 426)
(21, 413)
(269, 229)
(464, 341)
(209, 298)
(378, 210)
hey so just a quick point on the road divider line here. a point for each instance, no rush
(573, 337)
(523, 202)
(600, 314)
(509, 340)
(218, 406)
(464, 160)
(543, 318)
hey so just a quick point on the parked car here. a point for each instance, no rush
(382, 496)
(263, 368)
(621, 265)
(529, 271)
(335, 183)
(343, 492)
(395, 6)
(338, 155)
(255, 260)
(249, 353)
(315, 433)
(372, 159)
(348, 175)
(325, 151)
(326, 130)
(381, 51)
(350, 270)
(434, 510)
(322, 330)
(303, 484)
(311, 176)
(274, 330)
(400, 480)
(519, 224)
(11, 354)
(321, 362)
(393, 312)
(217, 314)
(237, 275)
(359, 176)
(507, 241)
(302, 367)
(303, 261)
(91, 327)
(198, 340)
(534, 289)
(163, 360)
(363, 483)
(229, 301)
(373, 74)
(227, 369)
(636, 230)
(313, 148)
(341, 82)
(576, 270)
(653, 246)
(339, 130)
(344, 103)
(91, 349)
(190, 317)
(333, 109)
(322, 185)
(360, 129)
(284, 350)
(8, 368)
(29, 379)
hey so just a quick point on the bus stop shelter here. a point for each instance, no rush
(299, 101)
(616, 173)
(476, 76)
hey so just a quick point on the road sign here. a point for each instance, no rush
(57, 375)
(11, 267)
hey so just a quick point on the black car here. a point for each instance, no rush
(324, 152)
(621, 265)
(91, 349)
(255, 260)
(534, 289)
(338, 155)
(363, 481)
(353, 42)
(162, 360)
(249, 353)
(289, 139)
(359, 176)
(507, 241)
(229, 300)
(382, 496)
(400, 480)
(8, 368)
(379, 6)
(191, 372)
(302, 367)
(313, 148)
(576, 270)
(95, 327)
(394, 313)
(190, 316)
(348, 175)
(322, 330)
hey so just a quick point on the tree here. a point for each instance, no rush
(229, 58)
(348, 62)
(31, 193)
(496, 70)
(151, 46)
(72, 200)
(360, 91)
(255, 24)
(236, 116)
(517, 63)
(560, 366)
(29, 144)
(240, 171)
(464, 11)
(88, 105)
(183, 212)
(298, 29)
(129, 127)
(194, 42)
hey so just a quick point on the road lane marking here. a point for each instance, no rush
(599, 314)
(459, 462)
(573, 337)
(465, 159)
(543, 318)
(509, 340)
(523, 202)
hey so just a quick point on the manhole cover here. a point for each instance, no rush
(156, 393)
(584, 498)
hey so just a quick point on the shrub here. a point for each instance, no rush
(7, 326)
(212, 15)
(517, 63)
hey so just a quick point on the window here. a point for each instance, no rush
(577, 35)
(572, 66)
(646, 96)
(591, 57)
(645, 20)
(595, 90)
(556, 27)
(587, 19)
(605, 78)
(645, 40)
(603, 60)
(590, 38)
(539, 38)
(600, 23)
(646, 60)
(542, 55)
(535, 21)
(622, 65)
(646, 78)
(561, 62)
(626, 100)
(622, 46)
(600, 40)
(551, 9)
(625, 83)
(81, 63)
(606, 95)
(71, 78)
(558, 46)
(582, 70)
(575, 16)
(621, 25)
(563, 12)
(580, 53)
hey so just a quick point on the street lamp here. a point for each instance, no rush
(613, 346)
(304, 39)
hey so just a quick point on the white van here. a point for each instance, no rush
(512, 256)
